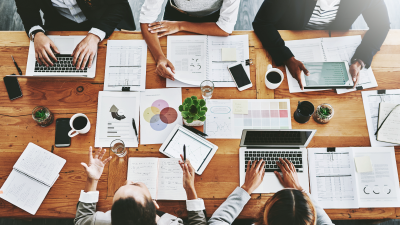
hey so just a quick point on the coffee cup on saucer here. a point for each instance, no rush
(273, 77)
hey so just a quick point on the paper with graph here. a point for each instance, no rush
(222, 122)
(162, 176)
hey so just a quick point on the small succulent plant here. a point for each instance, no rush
(193, 109)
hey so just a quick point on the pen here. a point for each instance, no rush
(184, 153)
(134, 128)
(16, 65)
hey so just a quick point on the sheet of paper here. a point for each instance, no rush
(332, 178)
(125, 65)
(228, 54)
(240, 106)
(343, 49)
(308, 50)
(40, 164)
(371, 100)
(170, 180)
(24, 192)
(145, 170)
(115, 112)
(188, 54)
(379, 188)
(159, 110)
(262, 114)
(389, 130)
(363, 164)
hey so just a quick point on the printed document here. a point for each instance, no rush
(389, 131)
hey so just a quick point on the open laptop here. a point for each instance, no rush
(63, 67)
(269, 145)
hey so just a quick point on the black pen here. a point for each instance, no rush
(184, 153)
(16, 65)
(134, 128)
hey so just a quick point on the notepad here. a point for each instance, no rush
(32, 176)
(240, 106)
(388, 125)
(162, 176)
(228, 54)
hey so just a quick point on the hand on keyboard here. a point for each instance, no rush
(44, 47)
(85, 51)
(288, 178)
(254, 175)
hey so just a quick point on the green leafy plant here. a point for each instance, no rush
(193, 109)
(40, 115)
(324, 112)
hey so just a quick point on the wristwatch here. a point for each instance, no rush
(32, 37)
(359, 61)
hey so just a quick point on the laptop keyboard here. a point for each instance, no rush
(63, 65)
(271, 137)
(271, 156)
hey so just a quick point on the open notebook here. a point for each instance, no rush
(162, 176)
(32, 176)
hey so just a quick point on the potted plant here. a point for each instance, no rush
(42, 116)
(193, 111)
(324, 113)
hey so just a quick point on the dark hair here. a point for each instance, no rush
(288, 206)
(127, 211)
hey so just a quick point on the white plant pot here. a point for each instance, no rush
(195, 123)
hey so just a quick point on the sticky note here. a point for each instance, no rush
(1, 192)
(240, 107)
(229, 54)
(363, 164)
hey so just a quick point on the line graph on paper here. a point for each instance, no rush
(219, 128)
(219, 121)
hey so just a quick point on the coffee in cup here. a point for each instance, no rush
(273, 77)
(80, 124)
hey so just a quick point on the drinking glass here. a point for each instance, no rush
(118, 147)
(207, 89)
(42, 116)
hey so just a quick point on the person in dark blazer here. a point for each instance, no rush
(99, 17)
(277, 15)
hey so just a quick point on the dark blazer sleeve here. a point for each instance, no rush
(270, 12)
(29, 11)
(377, 18)
(117, 10)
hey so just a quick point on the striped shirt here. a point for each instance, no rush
(324, 13)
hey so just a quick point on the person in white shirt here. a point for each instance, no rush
(209, 17)
(99, 17)
(132, 202)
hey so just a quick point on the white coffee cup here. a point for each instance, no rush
(269, 84)
(81, 131)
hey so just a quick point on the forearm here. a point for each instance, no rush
(202, 28)
(152, 41)
(91, 185)
(191, 193)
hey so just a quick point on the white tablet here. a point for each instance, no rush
(325, 75)
(198, 150)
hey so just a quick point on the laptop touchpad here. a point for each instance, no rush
(64, 44)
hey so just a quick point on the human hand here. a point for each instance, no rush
(254, 176)
(44, 47)
(188, 179)
(96, 166)
(354, 70)
(165, 27)
(85, 51)
(289, 178)
(295, 67)
(165, 68)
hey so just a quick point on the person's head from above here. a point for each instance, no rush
(288, 206)
(132, 204)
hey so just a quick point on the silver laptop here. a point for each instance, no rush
(63, 67)
(269, 145)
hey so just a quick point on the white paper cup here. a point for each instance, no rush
(269, 84)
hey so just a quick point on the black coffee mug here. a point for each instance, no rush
(303, 112)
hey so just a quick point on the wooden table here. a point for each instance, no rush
(61, 96)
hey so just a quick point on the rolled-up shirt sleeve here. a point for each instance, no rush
(195, 205)
(89, 197)
(228, 15)
(150, 11)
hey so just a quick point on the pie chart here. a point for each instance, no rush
(159, 115)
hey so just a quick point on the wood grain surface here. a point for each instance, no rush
(64, 98)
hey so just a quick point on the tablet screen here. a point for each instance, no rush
(196, 150)
(327, 74)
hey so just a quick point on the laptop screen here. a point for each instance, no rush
(276, 137)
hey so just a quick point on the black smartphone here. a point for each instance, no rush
(62, 129)
(13, 88)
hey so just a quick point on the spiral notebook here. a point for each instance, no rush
(199, 57)
(32, 176)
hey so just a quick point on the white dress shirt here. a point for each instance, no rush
(324, 13)
(227, 18)
(71, 10)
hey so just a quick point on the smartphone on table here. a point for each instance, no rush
(239, 75)
(12, 86)
(62, 129)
